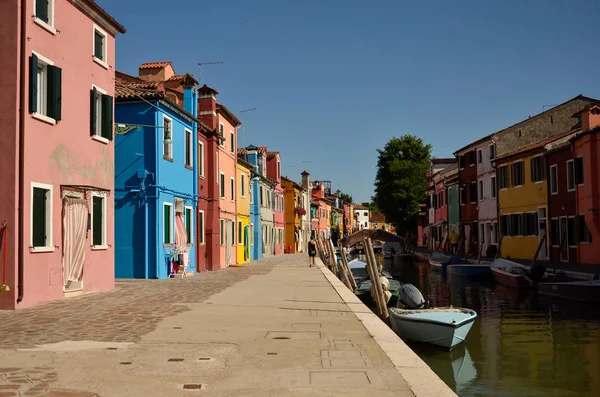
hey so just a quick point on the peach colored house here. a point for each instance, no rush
(56, 172)
(226, 173)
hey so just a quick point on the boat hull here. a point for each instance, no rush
(510, 279)
(443, 329)
(579, 291)
(468, 270)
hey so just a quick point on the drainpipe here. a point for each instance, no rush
(21, 284)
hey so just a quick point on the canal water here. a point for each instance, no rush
(520, 345)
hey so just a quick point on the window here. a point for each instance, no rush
(243, 185)
(222, 230)
(189, 151)
(538, 169)
(494, 233)
(529, 224)
(222, 185)
(278, 170)
(44, 13)
(232, 232)
(200, 158)
(232, 183)
(479, 156)
(572, 237)
(473, 192)
(222, 133)
(240, 232)
(493, 187)
(584, 233)
(101, 115)
(100, 42)
(554, 232)
(45, 89)
(188, 224)
(167, 138)
(435, 201)
(570, 175)
(517, 173)
(463, 195)
(232, 142)
(201, 227)
(492, 151)
(553, 179)
(98, 221)
(516, 226)
(480, 190)
(461, 162)
(505, 225)
(41, 216)
(503, 180)
(471, 155)
(579, 170)
(167, 222)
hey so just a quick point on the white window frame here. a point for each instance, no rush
(98, 105)
(188, 146)
(232, 187)
(165, 117)
(185, 213)
(201, 163)
(232, 143)
(202, 237)
(49, 247)
(222, 187)
(101, 62)
(553, 186)
(48, 26)
(104, 244)
(222, 133)
(166, 204)
(243, 185)
(568, 178)
(42, 83)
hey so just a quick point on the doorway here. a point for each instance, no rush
(75, 226)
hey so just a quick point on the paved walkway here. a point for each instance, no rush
(273, 328)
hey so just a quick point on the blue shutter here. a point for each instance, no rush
(33, 87)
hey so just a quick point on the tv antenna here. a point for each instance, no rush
(200, 68)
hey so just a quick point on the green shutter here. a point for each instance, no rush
(39, 217)
(98, 215)
(167, 224)
(107, 117)
(41, 10)
(54, 92)
(188, 225)
(93, 111)
(33, 86)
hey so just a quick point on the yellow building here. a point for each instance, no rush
(243, 194)
(522, 202)
(293, 220)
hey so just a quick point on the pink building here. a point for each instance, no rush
(274, 172)
(56, 172)
(226, 171)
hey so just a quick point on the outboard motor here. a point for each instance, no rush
(411, 297)
(536, 273)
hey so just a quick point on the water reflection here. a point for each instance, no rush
(521, 345)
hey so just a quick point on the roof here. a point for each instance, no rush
(206, 90)
(359, 207)
(583, 133)
(228, 115)
(95, 7)
(535, 146)
(242, 151)
(588, 107)
(243, 162)
(156, 65)
(447, 160)
(294, 184)
(446, 172)
(272, 154)
(477, 142)
(261, 149)
(183, 78)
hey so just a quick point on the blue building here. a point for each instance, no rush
(250, 155)
(155, 173)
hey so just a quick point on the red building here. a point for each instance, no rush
(467, 182)
(438, 202)
(274, 172)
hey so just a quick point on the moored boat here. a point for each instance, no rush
(511, 273)
(438, 260)
(359, 271)
(363, 291)
(470, 270)
(442, 326)
(580, 291)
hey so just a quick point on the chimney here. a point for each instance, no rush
(590, 117)
(305, 180)
(207, 106)
(190, 95)
(156, 71)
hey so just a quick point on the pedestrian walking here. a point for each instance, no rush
(453, 241)
(312, 250)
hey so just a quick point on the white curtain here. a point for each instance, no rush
(75, 215)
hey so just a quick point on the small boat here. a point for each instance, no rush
(359, 271)
(579, 291)
(363, 291)
(470, 270)
(441, 326)
(438, 260)
(511, 273)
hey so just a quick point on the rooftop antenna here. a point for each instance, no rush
(200, 68)
(243, 127)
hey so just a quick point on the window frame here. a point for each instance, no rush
(222, 185)
(479, 156)
(99, 109)
(190, 233)
(49, 247)
(164, 130)
(571, 177)
(553, 182)
(222, 231)
(202, 227)
(101, 62)
(188, 148)
(104, 244)
(201, 158)
(521, 174)
(233, 234)
(232, 143)
(48, 26)
(43, 95)
(542, 168)
(232, 188)
(171, 219)
(240, 233)
(222, 133)
(492, 148)
(243, 185)
(493, 186)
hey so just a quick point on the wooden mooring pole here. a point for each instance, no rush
(376, 288)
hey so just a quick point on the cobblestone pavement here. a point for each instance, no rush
(124, 314)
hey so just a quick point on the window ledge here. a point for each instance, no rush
(99, 247)
(100, 62)
(168, 245)
(168, 158)
(101, 139)
(44, 26)
(189, 167)
(41, 249)
(43, 118)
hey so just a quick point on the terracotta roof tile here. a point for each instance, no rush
(128, 90)
(242, 151)
(537, 145)
(440, 160)
(155, 65)
(272, 154)
(262, 150)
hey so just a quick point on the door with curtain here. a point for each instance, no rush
(75, 223)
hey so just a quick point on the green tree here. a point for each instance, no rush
(371, 205)
(400, 183)
(346, 198)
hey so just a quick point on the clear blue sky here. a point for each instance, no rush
(334, 80)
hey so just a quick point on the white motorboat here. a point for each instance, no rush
(441, 326)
